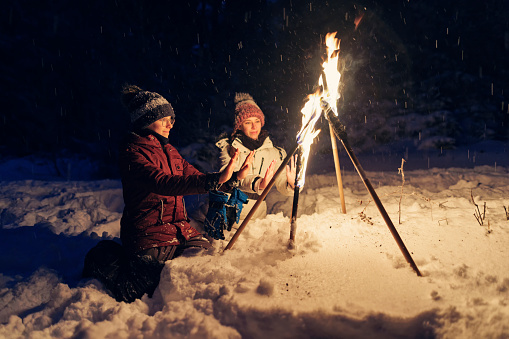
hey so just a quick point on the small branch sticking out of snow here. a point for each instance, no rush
(400, 171)
(445, 220)
(477, 213)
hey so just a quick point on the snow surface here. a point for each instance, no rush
(346, 278)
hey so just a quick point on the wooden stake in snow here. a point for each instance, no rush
(295, 206)
(335, 154)
(400, 170)
(340, 131)
(338, 169)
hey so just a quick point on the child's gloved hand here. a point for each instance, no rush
(215, 221)
(234, 207)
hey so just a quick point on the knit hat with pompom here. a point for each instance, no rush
(145, 107)
(246, 107)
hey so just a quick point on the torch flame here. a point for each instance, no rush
(310, 114)
(312, 110)
(330, 70)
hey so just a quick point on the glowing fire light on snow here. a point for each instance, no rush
(313, 109)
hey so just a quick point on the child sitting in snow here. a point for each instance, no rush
(249, 138)
(154, 225)
(251, 141)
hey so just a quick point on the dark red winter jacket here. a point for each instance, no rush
(155, 178)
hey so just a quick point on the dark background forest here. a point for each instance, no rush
(434, 71)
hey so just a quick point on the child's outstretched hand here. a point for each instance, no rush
(268, 175)
(246, 166)
(244, 170)
(226, 174)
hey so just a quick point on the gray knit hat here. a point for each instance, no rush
(145, 107)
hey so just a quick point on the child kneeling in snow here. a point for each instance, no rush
(154, 225)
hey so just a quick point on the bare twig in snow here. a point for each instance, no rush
(477, 213)
(488, 231)
(446, 221)
(400, 171)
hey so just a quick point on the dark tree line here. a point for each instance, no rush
(62, 64)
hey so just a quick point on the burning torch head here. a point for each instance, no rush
(338, 128)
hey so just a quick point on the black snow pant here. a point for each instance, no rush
(129, 276)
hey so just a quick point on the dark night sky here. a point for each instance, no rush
(63, 63)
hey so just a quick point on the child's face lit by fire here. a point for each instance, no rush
(251, 127)
(162, 126)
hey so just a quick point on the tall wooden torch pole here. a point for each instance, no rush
(338, 168)
(295, 206)
(340, 131)
(335, 154)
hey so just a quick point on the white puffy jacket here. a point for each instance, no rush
(261, 160)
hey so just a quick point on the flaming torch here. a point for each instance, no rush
(331, 76)
(329, 104)
(331, 81)
(331, 113)
(310, 115)
(300, 140)
(340, 131)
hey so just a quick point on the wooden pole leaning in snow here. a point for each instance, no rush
(338, 168)
(261, 197)
(339, 130)
(336, 156)
(295, 206)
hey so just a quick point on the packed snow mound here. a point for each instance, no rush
(346, 276)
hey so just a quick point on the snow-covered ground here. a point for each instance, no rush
(346, 278)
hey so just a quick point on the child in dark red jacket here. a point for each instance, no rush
(154, 226)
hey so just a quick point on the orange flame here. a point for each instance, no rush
(310, 114)
(330, 70)
(328, 90)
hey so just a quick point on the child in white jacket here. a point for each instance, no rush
(247, 137)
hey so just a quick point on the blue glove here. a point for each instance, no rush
(234, 207)
(215, 221)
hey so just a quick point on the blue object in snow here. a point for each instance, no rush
(234, 206)
(215, 221)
